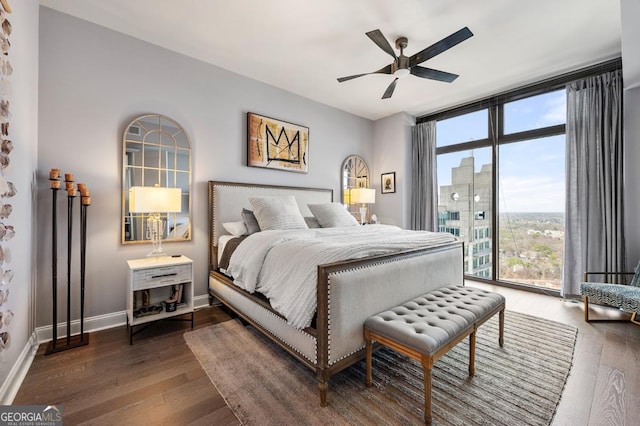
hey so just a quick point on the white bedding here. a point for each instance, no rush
(283, 264)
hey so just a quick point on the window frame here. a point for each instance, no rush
(497, 137)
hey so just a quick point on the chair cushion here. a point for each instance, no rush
(625, 297)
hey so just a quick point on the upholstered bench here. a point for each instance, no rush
(426, 327)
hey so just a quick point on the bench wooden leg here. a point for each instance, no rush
(426, 364)
(472, 353)
(501, 320)
(367, 379)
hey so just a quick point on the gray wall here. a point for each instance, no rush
(392, 153)
(93, 81)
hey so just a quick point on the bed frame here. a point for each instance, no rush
(348, 292)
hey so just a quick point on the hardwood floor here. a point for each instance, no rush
(603, 387)
(108, 382)
(159, 381)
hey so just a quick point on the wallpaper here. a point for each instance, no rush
(7, 188)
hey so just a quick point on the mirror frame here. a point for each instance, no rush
(156, 134)
(354, 173)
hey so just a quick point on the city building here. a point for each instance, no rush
(464, 210)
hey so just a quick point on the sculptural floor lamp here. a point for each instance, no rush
(155, 201)
(363, 196)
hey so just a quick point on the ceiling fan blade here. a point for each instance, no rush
(378, 38)
(390, 89)
(432, 74)
(351, 77)
(384, 70)
(439, 47)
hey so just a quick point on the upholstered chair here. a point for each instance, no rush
(625, 297)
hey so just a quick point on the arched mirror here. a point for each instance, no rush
(354, 174)
(156, 153)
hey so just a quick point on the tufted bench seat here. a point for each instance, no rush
(426, 327)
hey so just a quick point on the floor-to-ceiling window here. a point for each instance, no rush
(501, 187)
(531, 191)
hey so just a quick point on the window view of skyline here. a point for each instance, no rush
(530, 185)
(533, 188)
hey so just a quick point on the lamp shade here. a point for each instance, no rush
(153, 199)
(363, 195)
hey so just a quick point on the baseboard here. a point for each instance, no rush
(201, 301)
(14, 379)
(101, 322)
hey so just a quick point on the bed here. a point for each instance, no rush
(347, 292)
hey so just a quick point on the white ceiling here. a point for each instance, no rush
(302, 46)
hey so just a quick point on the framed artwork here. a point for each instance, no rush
(388, 182)
(276, 144)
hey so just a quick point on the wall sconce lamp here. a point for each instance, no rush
(155, 201)
(363, 196)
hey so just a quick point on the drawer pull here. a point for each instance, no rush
(164, 275)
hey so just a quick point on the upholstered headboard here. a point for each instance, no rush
(227, 199)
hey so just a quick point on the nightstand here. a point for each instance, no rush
(152, 282)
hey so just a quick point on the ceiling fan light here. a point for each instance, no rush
(401, 72)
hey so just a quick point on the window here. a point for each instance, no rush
(470, 128)
(513, 210)
(452, 231)
(535, 112)
(465, 187)
(531, 208)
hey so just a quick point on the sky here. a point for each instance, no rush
(532, 172)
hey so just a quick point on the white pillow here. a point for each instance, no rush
(235, 228)
(332, 215)
(277, 213)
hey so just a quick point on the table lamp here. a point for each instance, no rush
(155, 200)
(363, 196)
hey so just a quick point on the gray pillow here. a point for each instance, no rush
(312, 222)
(277, 213)
(250, 221)
(332, 215)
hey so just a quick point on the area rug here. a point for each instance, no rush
(519, 384)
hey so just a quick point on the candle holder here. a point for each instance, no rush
(82, 339)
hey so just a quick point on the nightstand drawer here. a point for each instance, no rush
(161, 276)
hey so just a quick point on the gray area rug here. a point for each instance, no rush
(519, 384)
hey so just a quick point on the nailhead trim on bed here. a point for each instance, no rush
(331, 362)
(302, 333)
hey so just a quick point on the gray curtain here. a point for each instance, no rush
(424, 181)
(594, 230)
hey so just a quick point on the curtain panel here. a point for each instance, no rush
(424, 178)
(594, 222)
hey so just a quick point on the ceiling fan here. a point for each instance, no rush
(403, 65)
